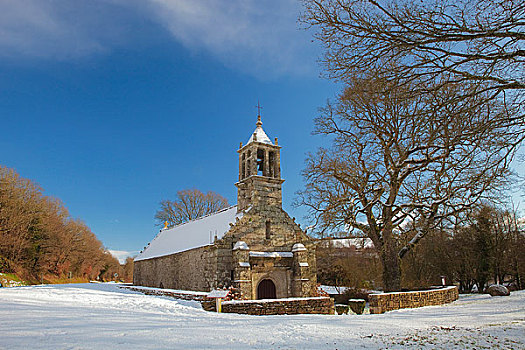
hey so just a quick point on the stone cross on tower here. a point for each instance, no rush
(259, 171)
(258, 109)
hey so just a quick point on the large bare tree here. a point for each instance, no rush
(462, 40)
(397, 158)
(189, 205)
(431, 114)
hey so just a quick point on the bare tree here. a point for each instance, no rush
(398, 158)
(451, 41)
(189, 205)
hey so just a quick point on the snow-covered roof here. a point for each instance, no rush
(259, 133)
(298, 247)
(271, 254)
(241, 245)
(192, 234)
(359, 242)
(218, 293)
(333, 290)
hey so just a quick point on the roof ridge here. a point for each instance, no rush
(201, 217)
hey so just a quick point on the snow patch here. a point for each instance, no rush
(260, 136)
(359, 243)
(269, 300)
(176, 291)
(333, 290)
(271, 254)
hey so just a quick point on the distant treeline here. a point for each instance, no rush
(486, 246)
(39, 240)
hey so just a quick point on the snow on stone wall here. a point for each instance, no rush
(288, 306)
(382, 302)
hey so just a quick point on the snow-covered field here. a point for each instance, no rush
(103, 316)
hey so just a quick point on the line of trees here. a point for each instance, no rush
(39, 240)
(486, 246)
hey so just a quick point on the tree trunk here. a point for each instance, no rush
(391, 268)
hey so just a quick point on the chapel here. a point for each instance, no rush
(254, 246)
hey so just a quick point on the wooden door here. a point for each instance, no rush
(266, 290)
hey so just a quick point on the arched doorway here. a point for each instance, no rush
(266, 290)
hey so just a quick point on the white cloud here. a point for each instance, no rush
(37, 28)
(121, 255)
(257, 37)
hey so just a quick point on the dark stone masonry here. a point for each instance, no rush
(318, 305)
(194, 269)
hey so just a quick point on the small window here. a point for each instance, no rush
(268, 229)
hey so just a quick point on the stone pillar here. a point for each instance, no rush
(301, 284)
(266, 171)
(240, 164)
(253, 164)
(277, 164)
(242, 272)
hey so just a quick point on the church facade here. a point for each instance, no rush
(254, 246)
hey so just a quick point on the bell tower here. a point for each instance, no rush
(259, 171)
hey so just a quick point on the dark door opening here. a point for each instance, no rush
(266, 290)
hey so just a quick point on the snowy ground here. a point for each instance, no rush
(103, 316)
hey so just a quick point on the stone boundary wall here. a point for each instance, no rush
(177, 294)
(290, 306)
(380, 303)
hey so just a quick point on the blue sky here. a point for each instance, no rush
(113, 105)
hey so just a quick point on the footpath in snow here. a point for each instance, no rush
(103, 316)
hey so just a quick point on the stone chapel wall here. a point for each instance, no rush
(291, 278)
(194, 269)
